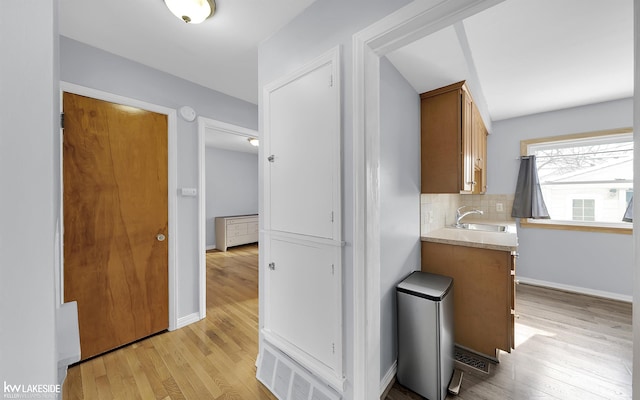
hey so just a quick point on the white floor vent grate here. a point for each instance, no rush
(287, 380)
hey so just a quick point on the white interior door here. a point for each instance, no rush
(303, 118)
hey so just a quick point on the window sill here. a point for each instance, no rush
(603, 227)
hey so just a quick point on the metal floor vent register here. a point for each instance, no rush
(472, 360)
(287, 380)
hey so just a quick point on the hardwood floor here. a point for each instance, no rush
(568, 346)
(210, 359)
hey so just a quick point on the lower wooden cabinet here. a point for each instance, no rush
(483, 290)
(235, 231)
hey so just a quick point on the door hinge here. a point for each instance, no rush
(333, 269)
(331, 216)
(331, 80)
(333, 348)
(61, 120)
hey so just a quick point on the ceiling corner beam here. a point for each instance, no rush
(473, 81)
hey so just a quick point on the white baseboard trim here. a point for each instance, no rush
(188, 319)
(389, 377)
(575, 289)
(211, 247)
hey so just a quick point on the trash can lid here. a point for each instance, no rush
(424, 284)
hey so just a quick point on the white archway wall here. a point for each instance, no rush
(29, 166)
(412, 22)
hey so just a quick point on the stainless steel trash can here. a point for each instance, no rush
(425, 334)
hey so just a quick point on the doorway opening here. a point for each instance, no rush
(227, 183)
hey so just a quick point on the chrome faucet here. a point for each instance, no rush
(459, 216)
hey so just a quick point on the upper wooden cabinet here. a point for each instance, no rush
(453, 142)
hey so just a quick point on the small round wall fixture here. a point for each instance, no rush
(187, 113)
(191, 11)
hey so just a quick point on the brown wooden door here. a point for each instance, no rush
(115, 205)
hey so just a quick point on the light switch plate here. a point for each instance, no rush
(189, 192)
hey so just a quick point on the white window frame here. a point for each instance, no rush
(590, 226)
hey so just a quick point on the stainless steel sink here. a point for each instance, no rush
(481, 227)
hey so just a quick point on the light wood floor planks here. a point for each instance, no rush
(210, 359)
(568, 346)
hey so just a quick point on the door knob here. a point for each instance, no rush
(160, 237)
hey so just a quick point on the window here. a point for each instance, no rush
(586, 179)
(584, 210)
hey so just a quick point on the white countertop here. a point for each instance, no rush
(505, 241)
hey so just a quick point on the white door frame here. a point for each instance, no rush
(414, 21)
(172, 169)
(204, 124)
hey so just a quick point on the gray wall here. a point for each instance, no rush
(399, 198)
(91, 67)
(30, 179)
(232, 186)
(595, 261)
(322, 26)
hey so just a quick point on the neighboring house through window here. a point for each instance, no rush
(584, 210)
(586, 179)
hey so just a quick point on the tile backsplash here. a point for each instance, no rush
(488, 203)
(439, 210)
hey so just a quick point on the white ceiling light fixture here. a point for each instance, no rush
(191, 11)
(254, 142)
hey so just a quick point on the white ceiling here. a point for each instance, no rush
(520, 57)
(530, 56)
(220, 53)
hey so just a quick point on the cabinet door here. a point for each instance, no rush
(467, 143)
(453, 142)
(481, 292)
(479, 150)
(303, 124)
(441, 143)
(512, 297)
(303, 298)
